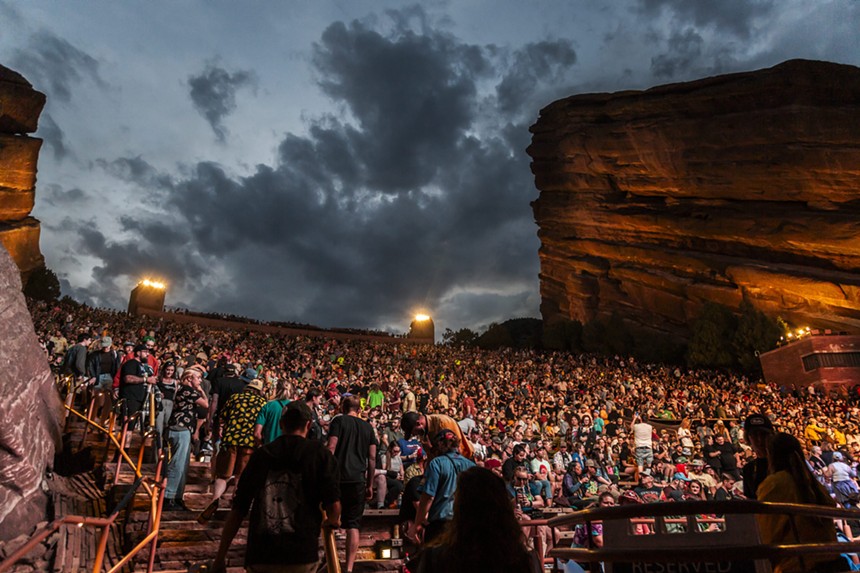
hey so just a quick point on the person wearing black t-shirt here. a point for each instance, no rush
(353, 443)
(284, 485)
(223, 388)
(133, 377)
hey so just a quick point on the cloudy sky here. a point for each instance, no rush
(342, 163)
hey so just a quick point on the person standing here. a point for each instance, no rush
(134, 375)
(183, 421)
(283, 486)
(436, 505)
(237, 442)
(102, 366)
(409, 403)
(353, 443)
(267, 428)
(642, 436)
(167, 385)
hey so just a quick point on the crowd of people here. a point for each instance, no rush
(402, 421)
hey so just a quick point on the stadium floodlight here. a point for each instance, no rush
(153, 284)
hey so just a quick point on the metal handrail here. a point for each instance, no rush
(154, 487)
(701, 552)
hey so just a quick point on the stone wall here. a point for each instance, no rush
(30, 410)
(20, 106)
(744, 185)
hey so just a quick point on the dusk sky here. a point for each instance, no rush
(342, 163)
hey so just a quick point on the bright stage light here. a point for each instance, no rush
(154, 284)
(421, 317)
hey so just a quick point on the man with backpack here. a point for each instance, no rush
(283, 485)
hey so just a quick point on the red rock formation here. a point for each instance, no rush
(20, 106)
(29, 410)
(654, 202)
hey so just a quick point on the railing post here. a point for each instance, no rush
(90, 408)
(100, 552)
(122, 439)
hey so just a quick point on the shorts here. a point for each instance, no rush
(352, 501)
(104, 382)
(231, 461)
(644, 456)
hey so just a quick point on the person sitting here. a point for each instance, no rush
(526, 505)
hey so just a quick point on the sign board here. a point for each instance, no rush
(685, 567)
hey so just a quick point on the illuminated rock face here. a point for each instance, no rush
(20, 106)
(29, 411)
(655, 202)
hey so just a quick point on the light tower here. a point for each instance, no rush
(422, 327)
(147, 295)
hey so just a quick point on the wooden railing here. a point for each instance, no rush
(706, 546)
(154, 486)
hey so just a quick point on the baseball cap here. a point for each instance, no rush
(757, 422)
(590, 464)
(256, 385)
(444, 434)
(680, 476)
(249, 375)
(106, 341)
(492, 463)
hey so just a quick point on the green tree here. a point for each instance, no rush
(462, 337)
(713, 335)
(756, 333)
(496, 336)
(595, 337)
(562, 335)
(618, 337)
(42, 284)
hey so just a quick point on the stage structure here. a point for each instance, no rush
(422, 327)
(822, 359)
(148, 295)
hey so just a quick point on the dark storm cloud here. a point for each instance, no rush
(136, 170)
(213, 93)
(152, 249)
(735, 16)
(55, 66)
(58, 196)
(414, 92)
(53, 136)
(406, 201)
(685, 50)
(539, 62)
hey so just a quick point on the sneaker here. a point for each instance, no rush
(208, 513)
(175, 505)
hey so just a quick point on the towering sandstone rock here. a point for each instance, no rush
(655, 202)
(29, 406)
(20, 106)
